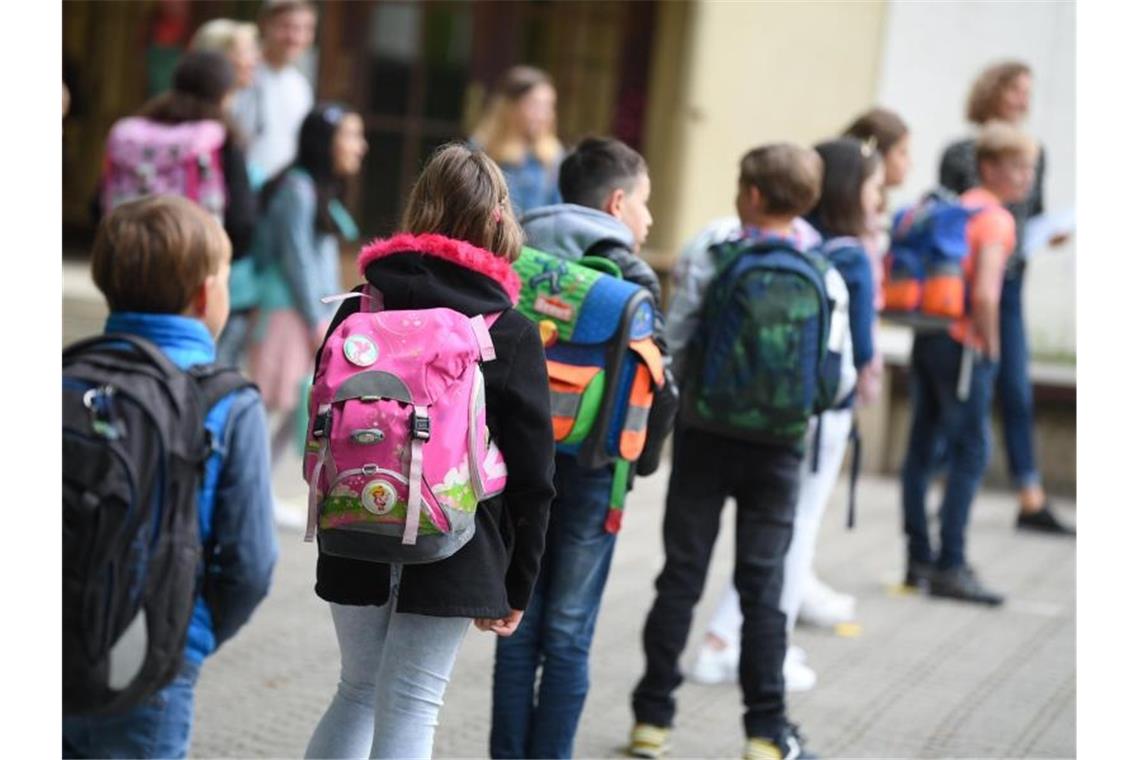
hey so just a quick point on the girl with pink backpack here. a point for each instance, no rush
(430, 458)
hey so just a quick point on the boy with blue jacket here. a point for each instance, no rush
(605, 185)
(162, 263)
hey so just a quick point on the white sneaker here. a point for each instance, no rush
(715, 665)
(797, 675)
(825, 607)
(796, 654)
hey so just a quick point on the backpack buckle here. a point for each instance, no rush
(322, 425)
(421, 427)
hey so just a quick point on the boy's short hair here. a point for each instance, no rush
(595, 168)
(1000, 139)
(271, 9)
(153, 253)
(788, 176)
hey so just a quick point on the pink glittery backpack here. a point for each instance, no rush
(398, 454)
(146, 157)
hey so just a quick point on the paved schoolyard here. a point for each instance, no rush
(924, 678)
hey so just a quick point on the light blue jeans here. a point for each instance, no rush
(394, 669)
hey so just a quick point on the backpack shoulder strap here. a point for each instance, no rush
(138, 345)
(834, 245)
(481, 326)
(215, 382)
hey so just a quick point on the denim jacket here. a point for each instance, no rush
(235, 498)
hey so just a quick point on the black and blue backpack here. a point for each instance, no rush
(768, 353)
(135, 447)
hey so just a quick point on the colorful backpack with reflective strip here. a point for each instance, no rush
(146, 157)
(924, 282)
(398, 453)
(603, 365)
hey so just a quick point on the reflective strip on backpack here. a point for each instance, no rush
(565, 404)
(636, 419)
(635, 427)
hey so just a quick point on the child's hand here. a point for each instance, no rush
(870, 382)
(504, 626)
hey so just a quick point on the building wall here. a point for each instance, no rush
(931, 54)
(755, 73)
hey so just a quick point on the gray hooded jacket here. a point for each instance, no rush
(571, 231)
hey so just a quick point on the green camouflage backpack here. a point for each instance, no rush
(767, 355)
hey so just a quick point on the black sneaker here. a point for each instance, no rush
(961, 583)
(918, 574)
(1044, 521)
(788, 745)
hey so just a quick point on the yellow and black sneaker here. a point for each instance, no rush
(788, 745)
(649, 741)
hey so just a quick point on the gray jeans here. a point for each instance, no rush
(394, 669)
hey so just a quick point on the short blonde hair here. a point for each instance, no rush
(222, 34)
(462, 194)
(985, 95)
(999, 139)
(153, 253)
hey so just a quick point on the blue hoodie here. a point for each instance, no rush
(235, 499)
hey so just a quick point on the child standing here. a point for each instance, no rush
(298, 255)
(952, 374)
(400, 627)
(847, 209)
(238, 42)
(1003, 92)
(202, 89)
(605, 184)
(777, 183)
(520, 131)
(270, 111)
(162, 263)
(886, 132)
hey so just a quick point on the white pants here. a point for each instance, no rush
(815, 491)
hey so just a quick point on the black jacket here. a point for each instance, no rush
(241, 201)
(496, 570)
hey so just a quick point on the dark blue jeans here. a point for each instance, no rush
(937, 414)
(1015, 393)
(160, 727)
(558, 626)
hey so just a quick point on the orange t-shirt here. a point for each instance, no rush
(993, 224)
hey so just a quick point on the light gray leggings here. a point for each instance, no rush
(394, 669)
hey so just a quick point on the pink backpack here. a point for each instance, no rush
(148, 158)
(398, 401)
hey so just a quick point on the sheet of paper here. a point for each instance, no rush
(1039, 229)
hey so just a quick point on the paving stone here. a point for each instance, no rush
(926, 678)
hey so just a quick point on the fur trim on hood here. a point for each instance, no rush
(457, 252)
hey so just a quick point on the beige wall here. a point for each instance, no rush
(746, 73)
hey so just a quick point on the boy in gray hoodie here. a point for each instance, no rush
(605, 185)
